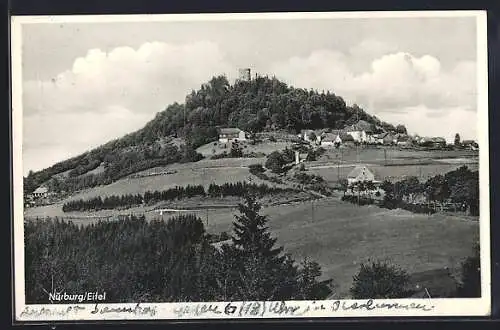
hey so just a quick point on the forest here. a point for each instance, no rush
(258, 105)
(166, 261)
(238, 189)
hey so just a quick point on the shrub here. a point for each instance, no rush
(275, 162)
(380, 280)
(256, 169)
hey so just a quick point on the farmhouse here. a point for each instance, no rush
(331, 139)
(309, 135)
(360, 173)
(470, 144)
(40, 192)
(231, 134)
(403, 140)
(438, 142)
(360, 131)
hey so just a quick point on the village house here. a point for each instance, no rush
(403, 140)
(438, 142)
(359, 174)
(385, 138)
(309, 135)
(40, 192)
(231, 134)
(330, 139)
(470, 144)
(360, 131)
(335, 138)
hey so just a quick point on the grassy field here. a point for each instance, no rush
(392, 173)
(217, 171)
(215, 148)
(378, 155)
(340, 235)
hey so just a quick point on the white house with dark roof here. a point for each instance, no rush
(40, 192)
(331, 139)
(231, 134)
(359, 174)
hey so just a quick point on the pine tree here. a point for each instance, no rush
(263, 273)
(251, 232)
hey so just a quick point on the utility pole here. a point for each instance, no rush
(207, 218)
(312, 210)
(385, 156)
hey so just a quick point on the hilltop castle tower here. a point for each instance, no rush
(244, 74)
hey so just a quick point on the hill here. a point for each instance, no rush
(261, 104)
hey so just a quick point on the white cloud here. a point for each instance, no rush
(106, 95)
(444, 122)
(399, 87)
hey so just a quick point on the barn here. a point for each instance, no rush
(359, 174)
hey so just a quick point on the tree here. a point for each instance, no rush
(312, 137)
(309, 287)
(236, 150)
(263, 270)
(401, 129)
(275, 162)
(471, 276)
(380, 280)
(457, 140)
(344, 185)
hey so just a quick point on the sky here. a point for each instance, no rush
(84, 84)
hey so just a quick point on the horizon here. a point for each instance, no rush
(110, 79)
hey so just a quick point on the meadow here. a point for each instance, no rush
(332, 173)
(340, 235)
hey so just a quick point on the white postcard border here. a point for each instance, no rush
(158, 311)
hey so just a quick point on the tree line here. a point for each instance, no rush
(258, 105)
(239, 189)
(458, 186)
(135, 260)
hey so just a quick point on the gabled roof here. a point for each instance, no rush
(403, 138)
(357, 171)
(346, 137)
(361, 125)
(329, 137)
(381, 135)
(41, 190)
(229, 130)
(438, 139)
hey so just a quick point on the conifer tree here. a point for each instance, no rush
(251, 232)
(263, 273)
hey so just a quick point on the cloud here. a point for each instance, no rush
(399, 87)
(108, 94)
(437, 122)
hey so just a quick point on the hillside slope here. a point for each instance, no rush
(173, 135)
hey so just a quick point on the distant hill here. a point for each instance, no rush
(257, 105)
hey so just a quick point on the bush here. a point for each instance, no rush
(380, 280)
(359, 201)
(275, 162)
(256, 169)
